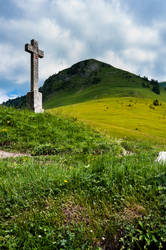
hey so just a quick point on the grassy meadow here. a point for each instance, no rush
(79, 189)
(123, 117)
(82, 202)
(42, 134)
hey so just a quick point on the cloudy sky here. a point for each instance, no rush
(128, 34)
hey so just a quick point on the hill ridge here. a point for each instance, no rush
(87, 80)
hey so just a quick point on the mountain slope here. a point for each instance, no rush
(123, 117)
(89, 80)
(92, 79)
(163, 84)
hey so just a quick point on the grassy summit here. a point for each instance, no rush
(92, 79)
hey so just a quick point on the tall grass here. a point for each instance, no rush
(82, 191)
(42, 134)
(82, 202)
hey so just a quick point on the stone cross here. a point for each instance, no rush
(34, 97)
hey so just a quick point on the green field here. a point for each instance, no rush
(125, 117)
(79, 189)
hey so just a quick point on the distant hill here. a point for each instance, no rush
(162, 84)
(18, 103)
(88, 80)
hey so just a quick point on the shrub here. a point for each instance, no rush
(155, 86)
(156, 102)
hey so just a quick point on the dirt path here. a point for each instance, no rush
(4, 154)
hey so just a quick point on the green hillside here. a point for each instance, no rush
(78, 189)
(41, 134)
(89, 80)
(92, 79)
(112, 100)
(123, 117)
(163, 84)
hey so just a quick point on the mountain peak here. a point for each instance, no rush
(86, 67)
(88, 80)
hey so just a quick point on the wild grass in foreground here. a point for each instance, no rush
(85, 193)
(83, 201)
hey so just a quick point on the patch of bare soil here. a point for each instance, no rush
(4, 154)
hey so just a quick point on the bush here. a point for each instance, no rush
(155, 86)
(145, 85)
(145, 78)
(156, 103)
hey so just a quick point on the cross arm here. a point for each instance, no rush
(29, 48)
(40, 53)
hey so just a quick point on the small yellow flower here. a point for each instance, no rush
(4, 130)
(65, 181)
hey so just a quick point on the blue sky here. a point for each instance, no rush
(127, 34)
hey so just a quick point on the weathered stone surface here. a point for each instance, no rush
(34, 98)
(34, 101)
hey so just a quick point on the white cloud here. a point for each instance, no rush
(31, 6)
(13, 64)
(72, 30)
(118, 62)
(139, 55)
(4, 97)
(142, 35)
(50, 67)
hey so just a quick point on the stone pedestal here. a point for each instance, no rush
(34, 101)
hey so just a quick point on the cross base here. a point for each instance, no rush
(34, 101)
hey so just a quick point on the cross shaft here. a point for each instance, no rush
(36, 53)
